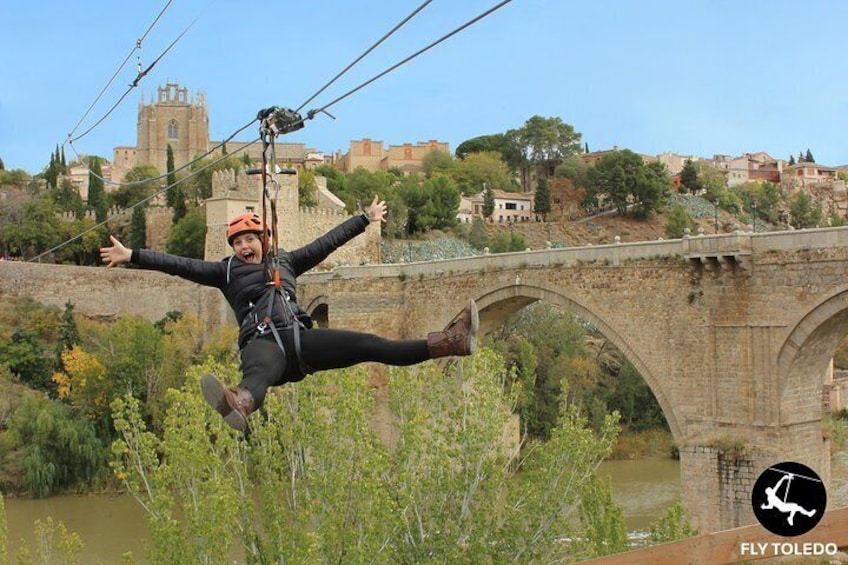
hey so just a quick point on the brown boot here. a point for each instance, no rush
(459, 338)
(234, 404)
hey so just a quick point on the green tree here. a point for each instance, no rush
(711, 180)
(623, 177)
(307, 189)
(444, 197)
(488, 201)
(2, 166)
(24, 355)
(180, 208)
(651, 189)
(69, 335)
(447, 492)
(481, 169)
(171, 177)
(188, 236)
(361, 185)
(34, 226)
(199, 187)
(478, 237)
(792, 160)
(437, 162)
(546, 139)
(678, 221)
(60, 450)
(506, 145)
(80, 250)
(507, 242)
(138, 228)
(542, 199)
(68, 198)
(689, 177)
(137, 186)
(809, 157)
(96, 194)
(175, 195)
(15, 177)
(420, 215)
(804, 214)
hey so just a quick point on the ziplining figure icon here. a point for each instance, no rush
(783, 506)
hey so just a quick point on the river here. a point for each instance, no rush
(112, 525)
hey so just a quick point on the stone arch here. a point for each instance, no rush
(805, 355)
(319, 309)
(497, 305)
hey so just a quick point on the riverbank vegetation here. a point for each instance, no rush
(115, 404)
(62, 372)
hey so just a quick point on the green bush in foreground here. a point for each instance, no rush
(313, 483)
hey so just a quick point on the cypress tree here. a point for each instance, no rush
(791, 160)
(542, 200)
(488, 202)
(179, 204)
(2, 166)
(96, 194)
(138, 228)
(68, 334)
(171, 179)
(64, 163)
(809, 157)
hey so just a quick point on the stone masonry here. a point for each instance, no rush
(733, 333)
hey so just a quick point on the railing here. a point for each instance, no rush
(749, 543)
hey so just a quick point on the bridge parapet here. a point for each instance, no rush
(720, 251)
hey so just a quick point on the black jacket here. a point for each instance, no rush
(244, 284)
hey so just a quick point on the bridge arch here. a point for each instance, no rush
(805, 355)
(497, 305)
(319, 310)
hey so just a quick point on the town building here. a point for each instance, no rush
(510, 208)
(373, 155)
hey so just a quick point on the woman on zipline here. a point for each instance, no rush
(276, 340)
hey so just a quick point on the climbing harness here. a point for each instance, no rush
(274, 121)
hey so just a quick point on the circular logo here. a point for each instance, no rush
(789, 499)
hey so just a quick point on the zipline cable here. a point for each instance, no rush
(175, 171)
(141, 75)
(442, 39)
(144, 200)
(135, 48)
(369, 50)
(290, 124)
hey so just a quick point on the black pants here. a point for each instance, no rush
(264, 365)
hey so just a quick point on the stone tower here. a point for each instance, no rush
(172, 120)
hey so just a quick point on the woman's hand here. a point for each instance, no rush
(116, 254)
(377, 210)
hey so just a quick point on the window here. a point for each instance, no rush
(511, 206)
(173, 130)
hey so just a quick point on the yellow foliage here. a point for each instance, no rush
(83, 379)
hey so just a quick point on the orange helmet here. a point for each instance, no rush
(244, 223)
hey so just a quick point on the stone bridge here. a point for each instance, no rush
(733, 333)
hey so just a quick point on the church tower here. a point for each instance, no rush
(172, 120)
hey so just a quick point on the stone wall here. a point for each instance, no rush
(107, 294)
(235, 193)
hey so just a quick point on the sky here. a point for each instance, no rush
(695, 77)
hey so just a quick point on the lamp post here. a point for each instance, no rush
(715, 214)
